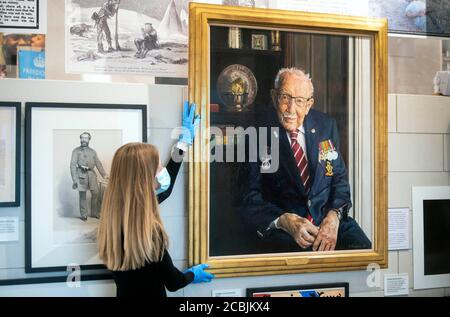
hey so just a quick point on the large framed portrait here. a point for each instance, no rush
(69, 151)
(288, 173)
(315, 291)
(10, 140)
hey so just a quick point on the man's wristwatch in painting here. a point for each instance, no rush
(339, 213)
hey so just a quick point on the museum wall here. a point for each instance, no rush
(413, 62)
(418, 127)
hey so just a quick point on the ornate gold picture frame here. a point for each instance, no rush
(352, 89)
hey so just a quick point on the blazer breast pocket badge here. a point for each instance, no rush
(327, 154)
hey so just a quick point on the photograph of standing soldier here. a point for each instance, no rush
(84, 161)
(108, 10)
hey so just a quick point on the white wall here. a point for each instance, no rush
(413, 63)
(169, 98)
(417, 125)
(419, 150)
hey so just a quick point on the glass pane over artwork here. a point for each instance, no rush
(243, 98)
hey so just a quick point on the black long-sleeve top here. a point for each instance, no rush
(173, 167)
(153, 279)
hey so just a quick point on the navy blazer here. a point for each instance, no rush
(263, 197)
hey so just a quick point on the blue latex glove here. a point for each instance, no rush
(189, 122)
(200, 275)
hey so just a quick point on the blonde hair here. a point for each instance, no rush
(131, 232)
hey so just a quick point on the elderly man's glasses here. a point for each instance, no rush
(286, 98)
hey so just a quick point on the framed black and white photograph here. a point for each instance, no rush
(144, 37)
(69, 150)
(10, 116)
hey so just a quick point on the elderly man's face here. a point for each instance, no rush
(84, 140)
(290, 113)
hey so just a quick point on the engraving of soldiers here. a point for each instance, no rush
(107, 11)
(82, 169)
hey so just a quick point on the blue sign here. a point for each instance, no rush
(31, 64)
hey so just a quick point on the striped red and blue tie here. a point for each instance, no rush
(302, 165)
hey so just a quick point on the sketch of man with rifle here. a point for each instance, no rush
(107, 11)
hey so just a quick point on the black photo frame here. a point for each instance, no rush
(18, 109)
(265, 291)
(29, 268)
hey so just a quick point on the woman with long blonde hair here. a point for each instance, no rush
(131, 237)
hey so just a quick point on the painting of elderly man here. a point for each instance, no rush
(304, 205)
(295, 190)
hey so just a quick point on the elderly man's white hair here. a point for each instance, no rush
(293, 71)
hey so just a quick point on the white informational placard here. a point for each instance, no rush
(396, 284)
(227, 293)
(344, 7)
(23, 16)
(9, 229)
(398, 224)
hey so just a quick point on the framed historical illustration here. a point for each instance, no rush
(318, 290)
(288, 172)
(127, 37)
(69, 151)
(10, 140)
